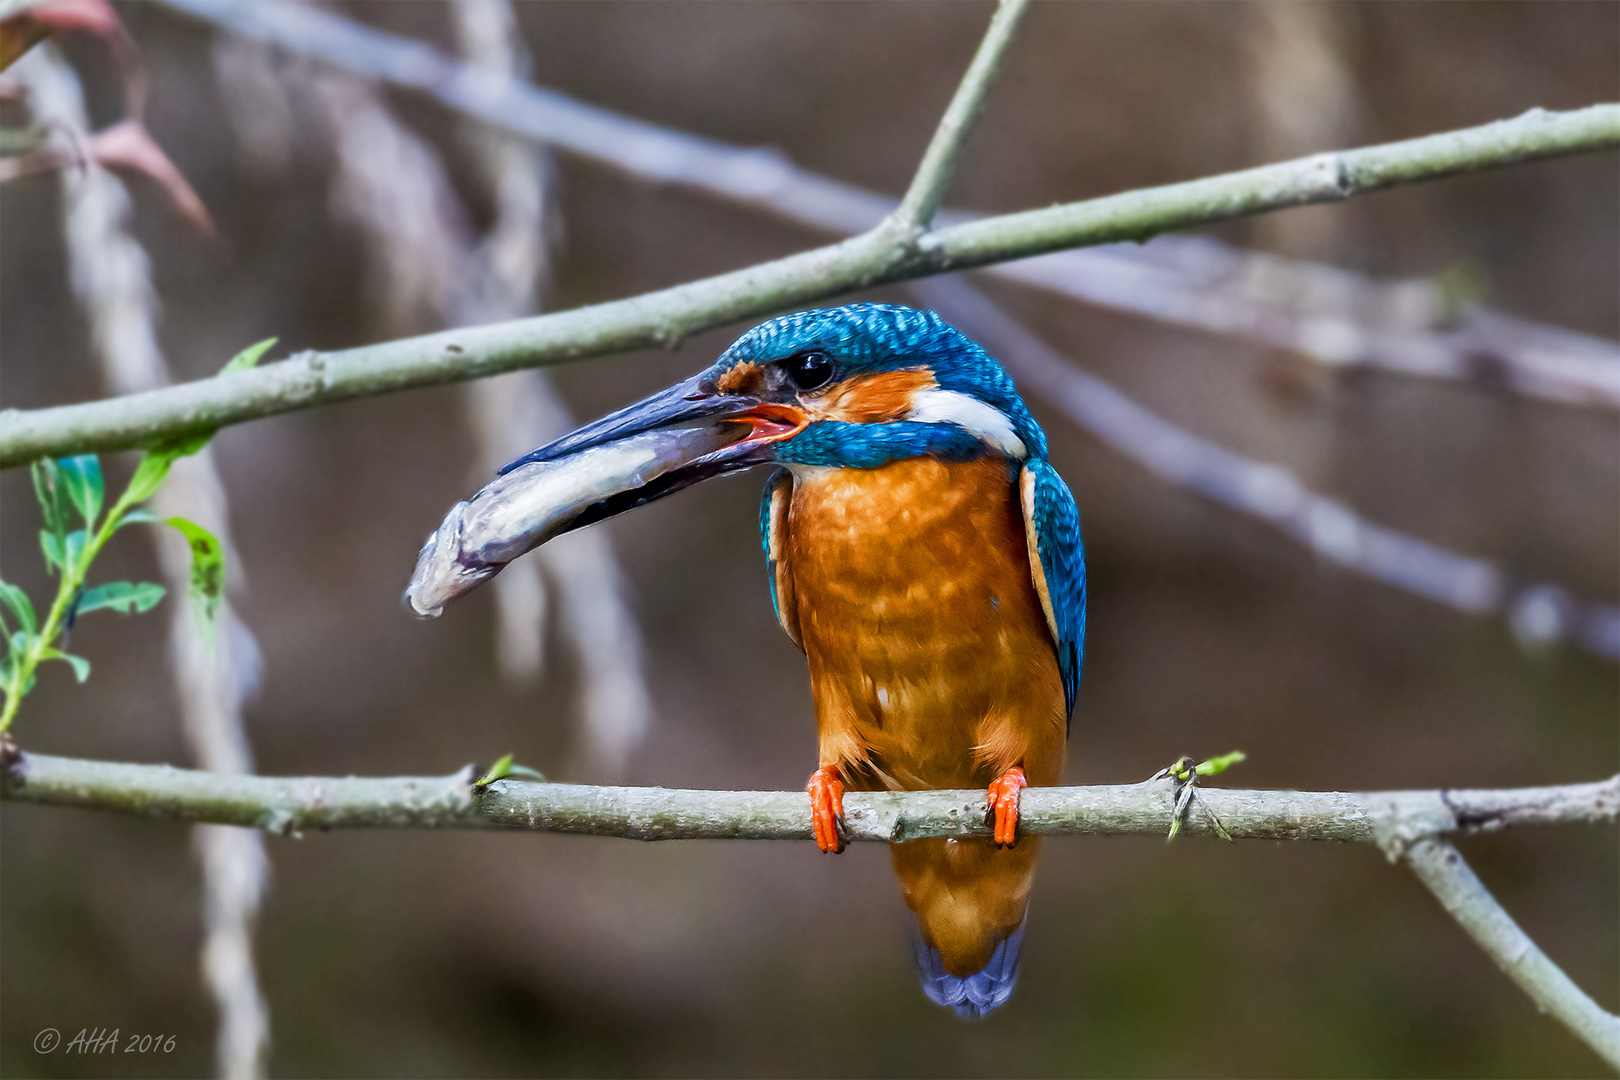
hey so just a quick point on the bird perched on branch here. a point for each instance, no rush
(921, 551)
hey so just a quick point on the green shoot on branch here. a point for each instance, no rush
(1185, 775)
(71, 494)
(504, 768)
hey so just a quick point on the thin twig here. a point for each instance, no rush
(1392, 819)
(1324, 314)
(922, 199)
(1540, 614)
(667, 316)
(1440, 867)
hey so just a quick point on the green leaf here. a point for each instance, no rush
(53, 501)
(158, 460)
(81, 477)
(496, 772)
(124, 596)
(207, 575)
(185, 445)
(149, 475)
(22, 607)
(524, 770)
(53, 505)
(138, 517)
(51, 544)
(248, 357)
(73, 549)
(1220, 764)
(81, 666)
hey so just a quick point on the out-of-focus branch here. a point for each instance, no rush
(1327, 315)
(516, 412)
(1440, 867)
(922, 199)
(1541, 614)
(112, 280)
(667, 316)
(1332, 317)
(1391, 819)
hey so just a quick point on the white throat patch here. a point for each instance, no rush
(936, 406)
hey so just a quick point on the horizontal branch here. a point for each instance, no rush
(665, 317)
(1328, 315)
(1392, 819)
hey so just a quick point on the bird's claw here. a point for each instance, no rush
(826, 790)
(1003, 805)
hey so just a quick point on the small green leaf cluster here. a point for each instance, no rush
(71, 493)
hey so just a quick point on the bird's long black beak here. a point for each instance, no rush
(643, 452)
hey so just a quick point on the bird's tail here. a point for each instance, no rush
(973, 996)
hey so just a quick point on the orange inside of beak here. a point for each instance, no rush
(771, 422)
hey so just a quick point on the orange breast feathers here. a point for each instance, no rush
(931, 662)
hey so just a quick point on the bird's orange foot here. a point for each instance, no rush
(826, 790)
(1004, 805)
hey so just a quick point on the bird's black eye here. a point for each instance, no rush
(810, 370)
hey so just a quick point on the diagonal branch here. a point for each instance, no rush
(921, 202)
(1327, 315)
(1440, 867)
(1539, 614)
(667, 316)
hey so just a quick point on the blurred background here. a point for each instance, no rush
(645, 652)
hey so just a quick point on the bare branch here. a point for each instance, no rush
(667, 316)
(1540, 614)
(1324, 314)
(922, 200)
(293, 804)
(1440, 867)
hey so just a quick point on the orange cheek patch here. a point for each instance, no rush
(875, 399)
(739, 379)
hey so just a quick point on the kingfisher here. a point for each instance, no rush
(920, 550)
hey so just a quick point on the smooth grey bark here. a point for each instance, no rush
(886, 254)
(1393, 819)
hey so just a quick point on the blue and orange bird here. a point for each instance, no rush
(926, 557)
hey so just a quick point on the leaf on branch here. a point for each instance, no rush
(207, 575)
(155, 465)
(81, 477)
(81, 666)
(248, 357)
(1220, 764)
(504, 768)
(54, 503)
(51, 545)
(496, 771)
(138, 517)
(124, 596)
(17, 600)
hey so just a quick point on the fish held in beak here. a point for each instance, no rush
(632, 457)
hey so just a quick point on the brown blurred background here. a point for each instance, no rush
(417, 954)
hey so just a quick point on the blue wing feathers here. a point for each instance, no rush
(772, 545)
(1063, 560)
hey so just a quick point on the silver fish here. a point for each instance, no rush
(538, 500)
